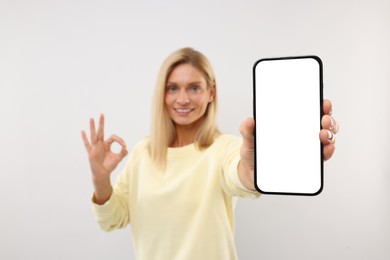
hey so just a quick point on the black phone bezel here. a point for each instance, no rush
(321, 114)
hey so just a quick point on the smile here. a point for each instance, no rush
(183, 110)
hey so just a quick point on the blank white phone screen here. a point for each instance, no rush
(287, 112)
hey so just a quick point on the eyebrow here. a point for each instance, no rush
(191, 83)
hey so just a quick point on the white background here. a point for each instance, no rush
(64, 61)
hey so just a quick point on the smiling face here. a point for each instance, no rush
(187, 95)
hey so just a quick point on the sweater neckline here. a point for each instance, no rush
(187, 149)
(181, 151)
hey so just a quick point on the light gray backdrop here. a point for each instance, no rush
(62, 62)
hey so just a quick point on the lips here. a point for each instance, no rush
(183, 111)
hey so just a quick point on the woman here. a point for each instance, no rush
(178, 187)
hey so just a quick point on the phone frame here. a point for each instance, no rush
(316, 58)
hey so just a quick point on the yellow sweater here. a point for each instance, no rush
(183, 213)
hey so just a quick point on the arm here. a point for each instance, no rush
(246, 166)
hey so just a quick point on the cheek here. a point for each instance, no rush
(203, 105)
(167, 100)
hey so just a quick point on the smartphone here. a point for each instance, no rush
(288, 97)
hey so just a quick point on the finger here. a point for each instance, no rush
(85, 140)
(328, 151)
(327, 107)
(329, 123)
(111, 140)
(124, 151)
(100, 133)
(335, 126)
(93, 130)
(327, 137)
(247, 128)
(115, 138)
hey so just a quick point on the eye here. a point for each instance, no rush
(171, 88)
(195, 88)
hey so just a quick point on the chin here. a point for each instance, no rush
(181, 123)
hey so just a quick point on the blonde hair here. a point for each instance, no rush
(163, 129)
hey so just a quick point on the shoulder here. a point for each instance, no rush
(142, 144)
(226, 139)
(226, 142)
(140, 148)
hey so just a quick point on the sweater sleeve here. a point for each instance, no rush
(114, 213)
(230, 180)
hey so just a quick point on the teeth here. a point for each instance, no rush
(183, 110)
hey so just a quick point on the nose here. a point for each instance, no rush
(182, 98)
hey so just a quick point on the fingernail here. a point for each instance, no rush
(330, 136)
(331, 124)
(336, 127)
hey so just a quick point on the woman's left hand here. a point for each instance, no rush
(246, 166)
(330, 127)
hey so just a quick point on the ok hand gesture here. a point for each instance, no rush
(101, 159)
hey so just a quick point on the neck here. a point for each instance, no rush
(185, 134)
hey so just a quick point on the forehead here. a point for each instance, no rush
(186, 72)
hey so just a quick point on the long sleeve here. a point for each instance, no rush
(115, 212)
(231, 182)
(112, 214)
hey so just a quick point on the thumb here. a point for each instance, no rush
(247, 129)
